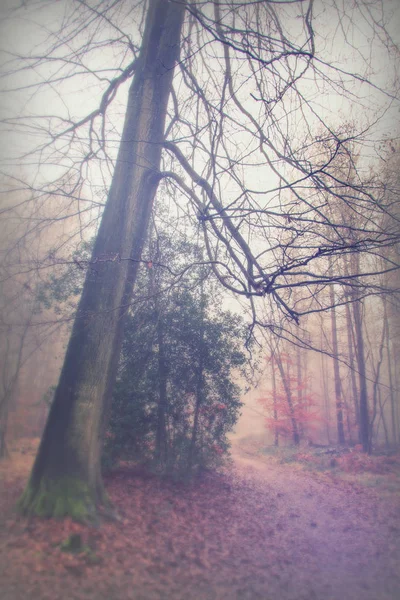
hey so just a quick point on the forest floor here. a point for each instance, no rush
(259, 530)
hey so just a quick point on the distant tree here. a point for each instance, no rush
(12, 361)
(336, 370)
(290, 408)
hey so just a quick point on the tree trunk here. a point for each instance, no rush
(4, 409)
(299, 377)
(325, 388)
(66, 477)
(276, 434)
(336, 371)
(349, 329)
(363, 418)
(161, 433)
(288, 393)
(9, 383)
(199, 385)
(390, 373)
(383, 419)
(376, 389)
(161, 448)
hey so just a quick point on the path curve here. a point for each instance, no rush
(341, 541)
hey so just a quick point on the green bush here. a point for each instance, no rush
(174, 401)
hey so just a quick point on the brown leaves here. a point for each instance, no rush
(265, 533)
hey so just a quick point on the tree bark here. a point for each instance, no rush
(288, 392)
(199, 385)
(349, 329)
(161, 433)
(364, 417)
(338, 384)
(66, 477)
(376, 397)
(9, 384)
(276, 434)
(325, 388)
(390, 373)
(4, 409)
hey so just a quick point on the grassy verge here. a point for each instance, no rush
(379, 471)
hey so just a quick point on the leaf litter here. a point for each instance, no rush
(258, 530)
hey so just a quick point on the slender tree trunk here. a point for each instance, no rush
(376, 390)
(4, 409)
(161, 433)
(9, 383)
(66, 477)
(390, 373)
(336, 371)
(288, 393)
(383, 418)
(325, 390)
(300, 392)
(161, 449)
(299, 376)
(349, 330)
(364, 417)
(199, 386)
(396, 386)
(199, 401)
(276, 434)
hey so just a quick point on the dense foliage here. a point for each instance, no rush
(175, 402)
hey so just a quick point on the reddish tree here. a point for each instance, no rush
(290, 406)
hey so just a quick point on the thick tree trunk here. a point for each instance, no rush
(66, 477)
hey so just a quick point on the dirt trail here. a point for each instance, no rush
(260, 531)
(341, 542)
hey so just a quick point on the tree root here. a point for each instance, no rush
(61, 497)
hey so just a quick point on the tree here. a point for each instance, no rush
(11, 366)
(293, 414)
(174, 400)
(66, 477)
(240, 115)
(338, 383)
(364, 425)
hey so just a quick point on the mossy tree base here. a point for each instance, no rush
(62, 497)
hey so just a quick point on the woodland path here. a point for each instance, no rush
(336, 540)
(259, 531)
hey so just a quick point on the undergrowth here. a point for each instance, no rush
(380, 470)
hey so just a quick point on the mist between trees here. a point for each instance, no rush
(257, 141)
